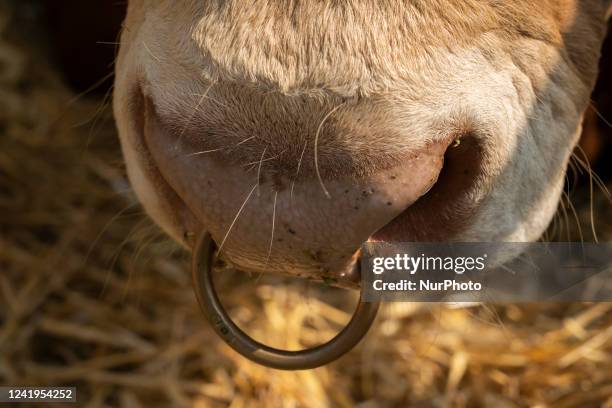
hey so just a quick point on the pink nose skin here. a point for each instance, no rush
(270, 226)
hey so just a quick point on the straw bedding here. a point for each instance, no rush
(93, 295)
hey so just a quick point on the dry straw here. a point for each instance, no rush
(93, 295)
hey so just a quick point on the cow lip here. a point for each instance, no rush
(345, 276)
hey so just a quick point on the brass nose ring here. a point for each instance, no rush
(344, 341)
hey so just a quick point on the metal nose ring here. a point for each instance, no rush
(344, 341)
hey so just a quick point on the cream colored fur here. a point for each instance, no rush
(514, 75)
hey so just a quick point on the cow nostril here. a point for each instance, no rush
(442, 211)
(462, 164)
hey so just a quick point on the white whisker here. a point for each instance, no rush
(212, 99)
(565, 219)
(259, 168)
(150, 52)
(264, 160)
(203, 152)
(316, 145)
(195, 111)
(599, 114)
(297, 172)
(575, 213)
(273, 224)
(587, 165)
(236, 217)
(244, 141)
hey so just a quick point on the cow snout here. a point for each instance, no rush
(294, 134)
(300, 203)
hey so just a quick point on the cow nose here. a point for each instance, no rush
(308, 226)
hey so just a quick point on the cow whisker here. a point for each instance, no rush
(144, 243)
(106, 226)
(575, 172)
(220, 149)
(262, 160)
(316, 145)
(203, 152)
(95, 85)
(148, 50)
(565, 218)
(259, 168)
(297, 171)
(236, 217)
(106, 103)
(195, 111)
(251, 168)
(572, 208)
(586, 166)
(593, 179)
(244, 141)
(273, 225)
(212, 99)
(599, 114)
(138, 228)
